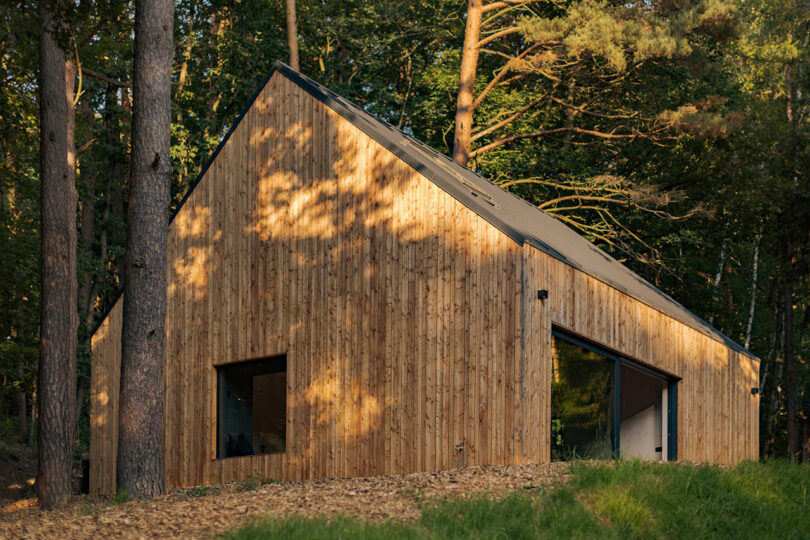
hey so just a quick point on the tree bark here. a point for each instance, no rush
(140, 439)
(59, 317)
(771, 390)
(292, 34)
(754, 271)
(462, 140)
(790, 369)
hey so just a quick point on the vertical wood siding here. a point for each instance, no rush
(104, 385)
(718, 418)
(412, 329)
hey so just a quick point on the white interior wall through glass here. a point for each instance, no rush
(604, 406)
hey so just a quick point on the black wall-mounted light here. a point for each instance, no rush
(754, 391)
(542, 294)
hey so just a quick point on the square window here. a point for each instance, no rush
(252, 407)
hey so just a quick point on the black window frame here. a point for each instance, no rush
(220, 373)
(620, 360)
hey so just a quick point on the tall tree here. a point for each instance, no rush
(59, 319)
(548, 104)
(292, 34)
(140, 440)
(462, 139)
(774, 67)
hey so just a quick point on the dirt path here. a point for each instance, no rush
(208, 512)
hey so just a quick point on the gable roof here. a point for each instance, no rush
(515, 217)
(520, 220)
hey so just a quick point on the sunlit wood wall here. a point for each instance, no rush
(412, 329)
(718, 416)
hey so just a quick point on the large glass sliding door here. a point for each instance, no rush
(582, 396)
(604, 405)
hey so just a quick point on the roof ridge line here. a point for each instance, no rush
(344, 107)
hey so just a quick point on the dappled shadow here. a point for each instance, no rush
(394, 305)
(401, 312)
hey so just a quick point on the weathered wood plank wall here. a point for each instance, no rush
(411, 325)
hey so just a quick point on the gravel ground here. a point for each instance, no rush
(207, 512)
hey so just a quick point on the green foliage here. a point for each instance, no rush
(254, 482)
(199, 491)
(627, 499)
(121, 496)
(599, 29)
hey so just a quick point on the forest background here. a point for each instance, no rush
(674, 134)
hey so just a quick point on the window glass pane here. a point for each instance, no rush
(581, 403)
(269, 412)
(252, 407)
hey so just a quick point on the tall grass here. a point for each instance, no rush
(627, 499)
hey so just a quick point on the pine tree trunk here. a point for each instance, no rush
(292, 34)
(771, 389)
(462, 141)
(790, 369)
(140, 439)
(59, 317)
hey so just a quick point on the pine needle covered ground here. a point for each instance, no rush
(586, 500)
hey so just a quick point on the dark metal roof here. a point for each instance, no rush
(520, 220)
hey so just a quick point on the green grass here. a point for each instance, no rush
(628, 499)
(337, 528)
(200, 491)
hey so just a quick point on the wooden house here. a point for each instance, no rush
(345, 301)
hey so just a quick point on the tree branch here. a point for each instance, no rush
(581, 109)
(506, 3)
(501, 74)
(489, 39)
(541, 182)
(585, 228)
(101, 77)
(538, 134)
(592, 198)
(628, 231)
(517, 114)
